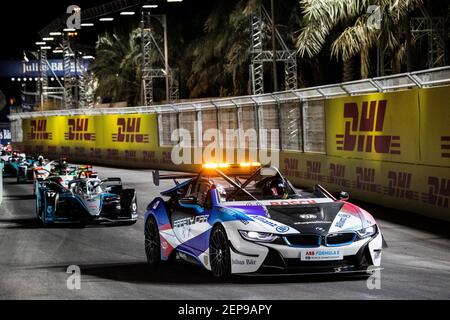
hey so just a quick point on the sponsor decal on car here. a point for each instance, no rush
(190, 221)
(343, 219)
(322, 255)
(282, 229)
(266, 221)
(312, 222)
(278, 228)
(248, 262)
(292, 202)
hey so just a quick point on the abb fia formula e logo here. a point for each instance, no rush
(78, 130)
(129, 130)
(363, 130)
(38, 130)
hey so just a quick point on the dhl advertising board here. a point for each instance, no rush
(374, 127)
(392, 149)
(107, 139)
(421, 189)
(435, 126)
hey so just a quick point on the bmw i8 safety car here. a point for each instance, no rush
(240, 219)
(85, 200)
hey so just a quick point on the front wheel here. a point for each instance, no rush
(219, 252)
(152, 243)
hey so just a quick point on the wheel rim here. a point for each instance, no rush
(151, 242)
(218, 252)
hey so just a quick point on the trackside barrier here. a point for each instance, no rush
(388, 142)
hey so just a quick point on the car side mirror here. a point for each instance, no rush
(343, 196)
(191, 203)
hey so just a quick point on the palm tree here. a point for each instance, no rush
(220, 58)
(322, 17)
(117, 66)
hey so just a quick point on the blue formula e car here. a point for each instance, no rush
(18, 165)
(85, 200)
(241, 219)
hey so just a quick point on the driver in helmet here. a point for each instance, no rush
(40, 161)
(61, 166)
(276, 187)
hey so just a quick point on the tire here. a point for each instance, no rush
(152, 243)
(128, 199)
(38, 210)
(219, 253)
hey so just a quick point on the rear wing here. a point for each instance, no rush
(157, 177)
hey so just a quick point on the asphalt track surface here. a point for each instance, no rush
(34, 260)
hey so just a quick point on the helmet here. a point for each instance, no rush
(276, 187)
(41, 159)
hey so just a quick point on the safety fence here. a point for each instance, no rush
(385, 140)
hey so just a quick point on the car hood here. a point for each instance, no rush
(309, 218)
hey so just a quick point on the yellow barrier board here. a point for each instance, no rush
(109, 137)
(392, 149)
(421, 189)
(374, 127)
(435, 126)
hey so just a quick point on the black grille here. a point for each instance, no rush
(337, 239)
(303, 240)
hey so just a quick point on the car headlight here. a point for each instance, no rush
(367, 232)
(258, 236)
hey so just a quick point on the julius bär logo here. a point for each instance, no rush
(362, 131)
(129, 131)
(445, 147)
(78, 130)
(39, 130)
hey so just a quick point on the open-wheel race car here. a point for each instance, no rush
(16, 164)
(241, 219)
(85, 200)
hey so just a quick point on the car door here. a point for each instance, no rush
(189, 224)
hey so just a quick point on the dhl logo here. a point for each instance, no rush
(39, 130)
(128, 130)
(78, 130)
(445, 147)
(362, 130)
(399, 186)
(439, 192)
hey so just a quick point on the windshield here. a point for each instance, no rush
(261, 188)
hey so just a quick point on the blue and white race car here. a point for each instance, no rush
(240, 219)
(85, 200)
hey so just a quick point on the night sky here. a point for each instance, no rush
(21, 21)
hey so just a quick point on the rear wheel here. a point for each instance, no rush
(152, 243)
(219, 251)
